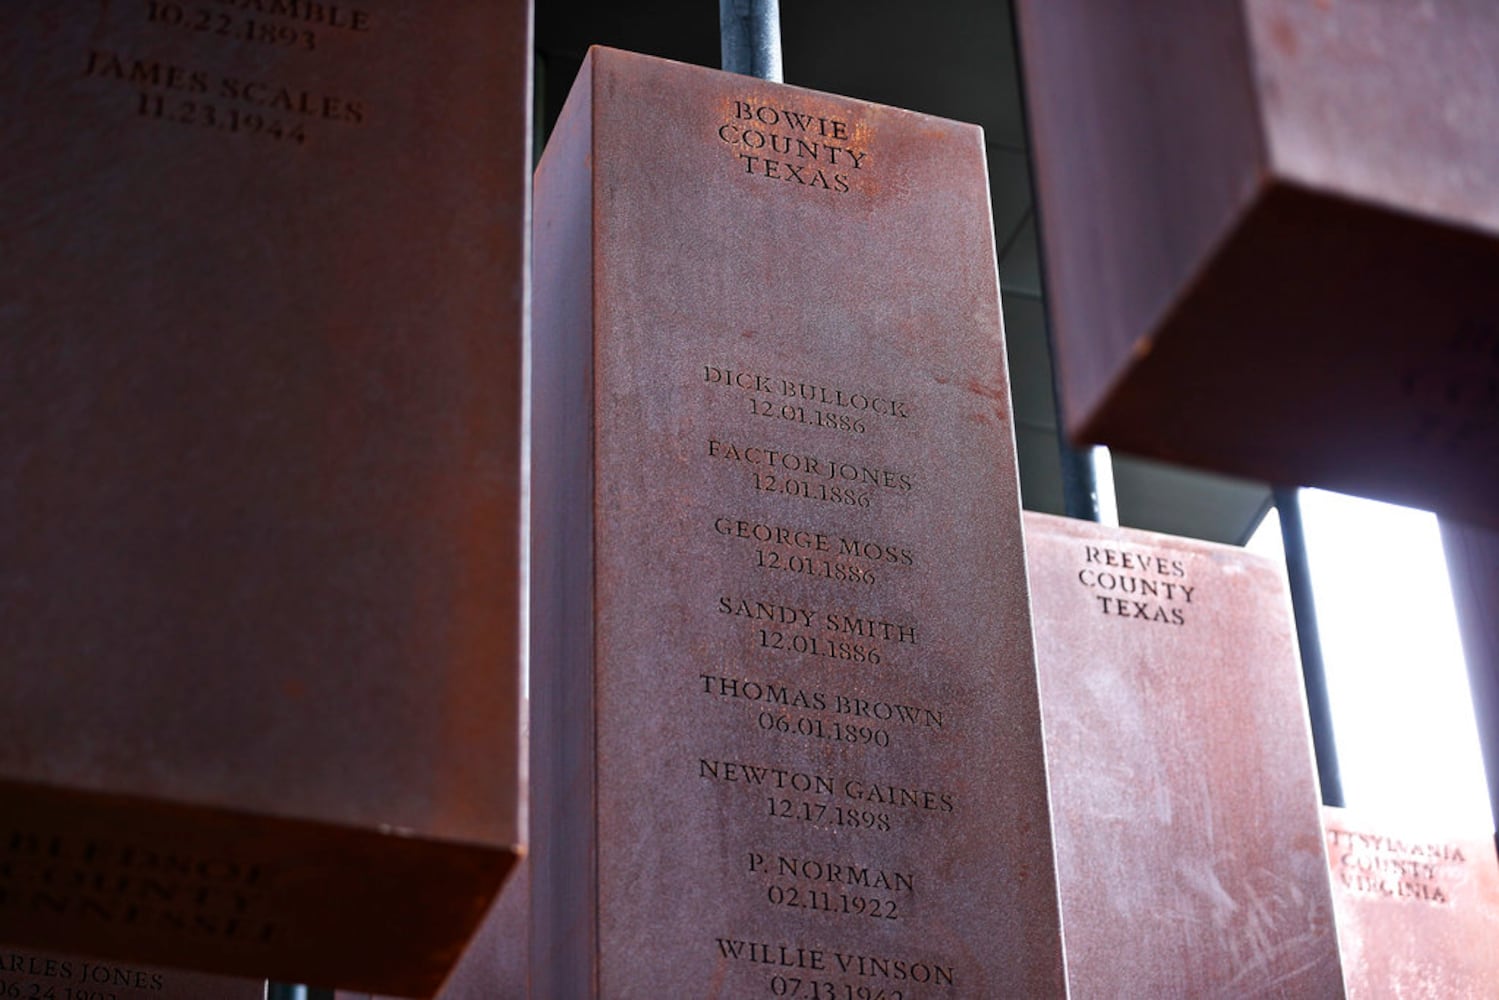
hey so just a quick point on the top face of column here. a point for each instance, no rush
(819, 757)
(47, 976)
(1417, 905)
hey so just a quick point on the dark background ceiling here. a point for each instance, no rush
(957, 59)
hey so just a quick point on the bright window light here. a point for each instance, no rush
(1402, 713)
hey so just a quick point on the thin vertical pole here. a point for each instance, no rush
(1087, 480)
(1314, 674)
(750, 36)
(288, 991)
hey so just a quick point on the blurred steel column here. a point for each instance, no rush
(1473, 570)
(1314, 675)
(750, 34)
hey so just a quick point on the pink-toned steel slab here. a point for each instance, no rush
(26, 973)
(1417, 906)
(785, 712)
(1271, 229)
(1184, 795)
(260, 339)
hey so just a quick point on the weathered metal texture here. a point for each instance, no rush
(1473, 570)
(47, 976)
(1417, 908)
(1270, 229)
(1184, 795)
(786, 723)
(495, 965)
(260, 342)
(561, 861)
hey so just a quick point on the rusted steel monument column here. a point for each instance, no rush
(1417, 906)
(261, 322)
(786, 722)
(1184, 798)
(1265, 254)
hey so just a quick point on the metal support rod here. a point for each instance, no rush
(288, 991)
(750, 36)
(1079, 481)
(1313, 673)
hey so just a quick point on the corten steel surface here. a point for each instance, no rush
(1417, 908)
(1271, 237)
(786, 724)
(495, 963)
(1184, 795)
(1473, 569)
(260, 340)
(26, 973)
